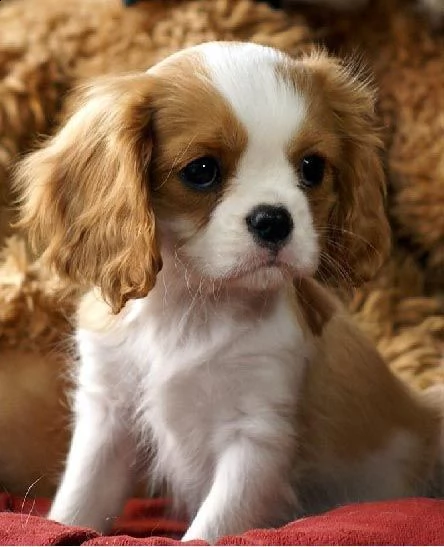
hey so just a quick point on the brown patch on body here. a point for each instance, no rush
(352, 405)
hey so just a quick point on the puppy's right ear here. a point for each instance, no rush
(85, 194)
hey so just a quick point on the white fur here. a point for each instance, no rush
(212, 382)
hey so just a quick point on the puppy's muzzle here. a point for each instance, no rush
(270, 225)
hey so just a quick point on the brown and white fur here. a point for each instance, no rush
(221, 361)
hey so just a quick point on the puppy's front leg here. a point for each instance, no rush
(98, 471)
(251, 488)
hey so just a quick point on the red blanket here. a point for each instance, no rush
(406, 522)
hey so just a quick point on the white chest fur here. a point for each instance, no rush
(198, 374)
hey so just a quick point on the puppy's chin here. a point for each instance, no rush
(261, 279)
(264, 278)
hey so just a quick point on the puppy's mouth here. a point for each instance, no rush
(269, 265)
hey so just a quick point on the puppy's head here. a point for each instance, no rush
(242, 164)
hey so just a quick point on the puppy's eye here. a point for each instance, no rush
(312, 170)
(202, 173)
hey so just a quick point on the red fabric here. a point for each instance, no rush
(144, 522)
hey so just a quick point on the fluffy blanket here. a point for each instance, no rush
(406, 522)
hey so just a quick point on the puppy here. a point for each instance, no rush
(200, 204)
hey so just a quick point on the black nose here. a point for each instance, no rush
(270, 225)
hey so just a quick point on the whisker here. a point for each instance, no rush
(326, 229)
(31, 486)
(337, 269)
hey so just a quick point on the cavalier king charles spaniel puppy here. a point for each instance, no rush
(204, 207)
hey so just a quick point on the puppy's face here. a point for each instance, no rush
(244, 165)
(237, 162)
(250, 163)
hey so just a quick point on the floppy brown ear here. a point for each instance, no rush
(359, 234)
(85, 194)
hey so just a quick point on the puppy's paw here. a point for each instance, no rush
(192, 534)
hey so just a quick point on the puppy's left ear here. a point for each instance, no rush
(358, 238)
(85, 194)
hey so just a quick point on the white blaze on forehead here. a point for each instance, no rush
(270, 108)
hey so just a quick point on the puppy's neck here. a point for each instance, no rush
(178, 287)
